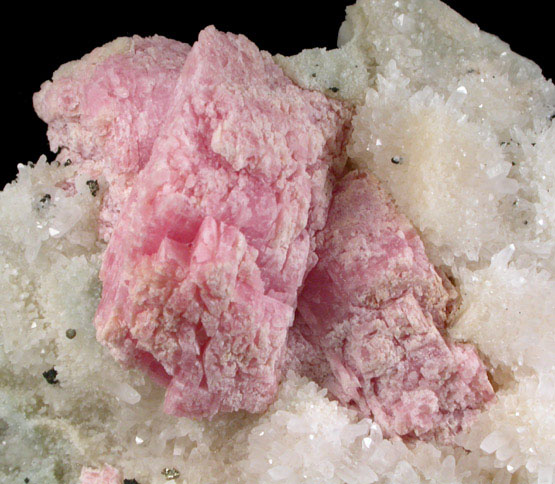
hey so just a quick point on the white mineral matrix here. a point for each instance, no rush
(457, 128)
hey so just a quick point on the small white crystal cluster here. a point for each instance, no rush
(459, 129)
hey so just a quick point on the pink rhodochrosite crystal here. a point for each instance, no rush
(104, 111)
(370, 320)
(201, 274)
(106, 475)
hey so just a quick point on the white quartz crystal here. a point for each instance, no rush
(459, 128)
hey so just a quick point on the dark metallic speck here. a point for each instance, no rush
(50, 376)
(68, 162)
(334, 89)
(397, 160)
(70, 333)
(170, 474)
(45, 200)
(130, 481)
(93, 187)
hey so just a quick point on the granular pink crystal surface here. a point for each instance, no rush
(370, 321)
(104, 111)
(201, 274)
(220, 173)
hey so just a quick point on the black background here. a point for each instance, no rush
(37, 41)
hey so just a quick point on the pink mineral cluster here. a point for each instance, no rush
(202, 271)
(104, 111)
(219, 175)
(371, 317)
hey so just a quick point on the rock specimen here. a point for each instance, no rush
(459, 129)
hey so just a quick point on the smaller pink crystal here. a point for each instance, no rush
(106, 475)
(371, 318)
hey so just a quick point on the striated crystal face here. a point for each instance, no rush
(457, 128)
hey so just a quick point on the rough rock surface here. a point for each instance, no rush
(371, 316)
(104, 111)
(201, 274)
(405, 68)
